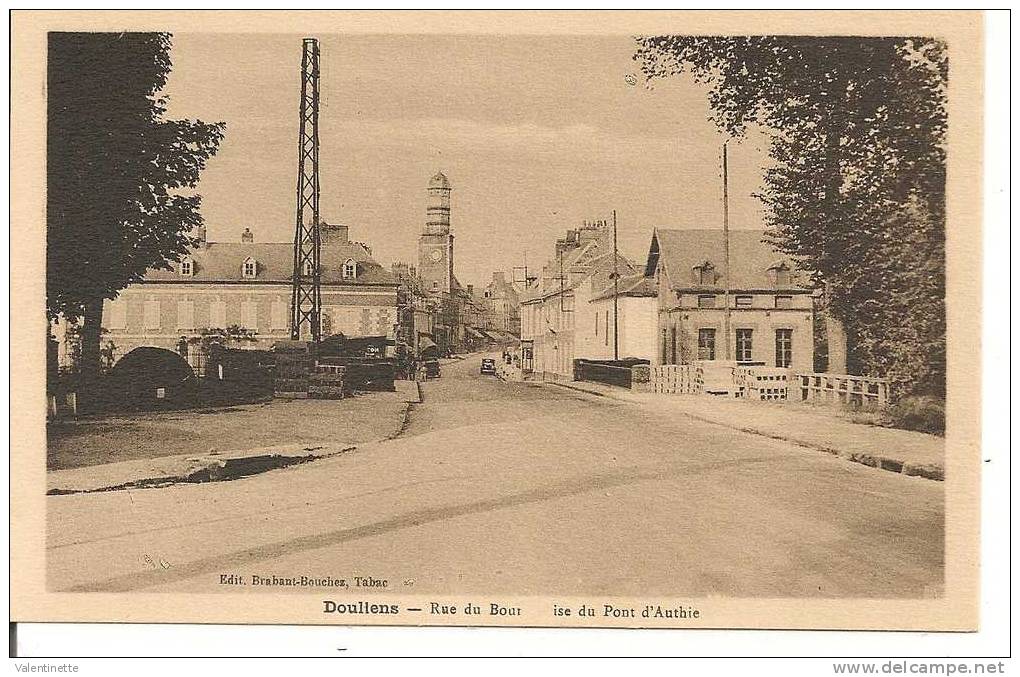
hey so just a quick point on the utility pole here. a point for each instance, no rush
(616, 297)
(726, 251)
(306, 300)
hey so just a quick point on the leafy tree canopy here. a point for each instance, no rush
(116, 169)
(118, 172)
(856, 184)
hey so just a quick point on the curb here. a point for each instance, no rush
(210, 469)
(929, 471)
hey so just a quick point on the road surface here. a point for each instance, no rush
(524, 489)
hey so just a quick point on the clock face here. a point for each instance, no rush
(435, 255)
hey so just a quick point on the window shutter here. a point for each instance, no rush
(152, 314)
(185, 314)
(250, 315)
(116, 314)
(278, 315)
(218, 315)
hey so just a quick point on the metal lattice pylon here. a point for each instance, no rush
(306, 301)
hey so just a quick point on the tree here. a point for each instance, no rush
(117, 173)
(856, 186)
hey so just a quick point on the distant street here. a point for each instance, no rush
(525, 489)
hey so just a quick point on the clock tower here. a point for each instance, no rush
(435, 245)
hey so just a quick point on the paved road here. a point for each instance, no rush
(526, 489)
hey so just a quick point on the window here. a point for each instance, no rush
(706, 301)
(350, 269)
(325, 323)
(250, 315)
(116, 313)
(704, 273)
(152, 314)
(187, 267)
(185, 314)
(784, 347)
(306, 269)
(606, 332)
(249, 268)
(779, 274)
(706, 344)
(218, 314)
(278, 315)
(784, 302)
(744, 301)
(596, 324)
(743, 345)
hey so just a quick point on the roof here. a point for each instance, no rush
(223, 262)
(751, 258)
(439, 181)
(638, 284)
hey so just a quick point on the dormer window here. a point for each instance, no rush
(704, 273)
(779, 274)
(350, 269)
(249, 269)
(186, 267)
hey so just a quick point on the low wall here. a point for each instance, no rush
(610, 372)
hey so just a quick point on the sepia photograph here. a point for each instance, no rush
(649, 327)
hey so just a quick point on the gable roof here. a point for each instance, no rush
(637, 284)
(750, 259)
(222, 262)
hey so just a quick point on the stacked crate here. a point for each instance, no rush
(768, 383)
(675, 379)
(294, 366)
(327, 382)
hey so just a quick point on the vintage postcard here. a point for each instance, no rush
(604, 319)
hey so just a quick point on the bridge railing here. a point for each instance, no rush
(863, 391)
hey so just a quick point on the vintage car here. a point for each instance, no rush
(431, 368)
(488, 366)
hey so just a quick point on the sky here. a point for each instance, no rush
(536, 134)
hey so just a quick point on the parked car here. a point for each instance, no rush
(432, 369)
(488, 366)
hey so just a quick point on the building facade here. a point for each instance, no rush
(763, 314)
(247, 284)
(620, 330)
(581, 269)
(502, 305)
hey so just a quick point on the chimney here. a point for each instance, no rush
(334, 233)
(199, 234)
(247, 235)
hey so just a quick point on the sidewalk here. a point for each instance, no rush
(216, 465)
(900, 451)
